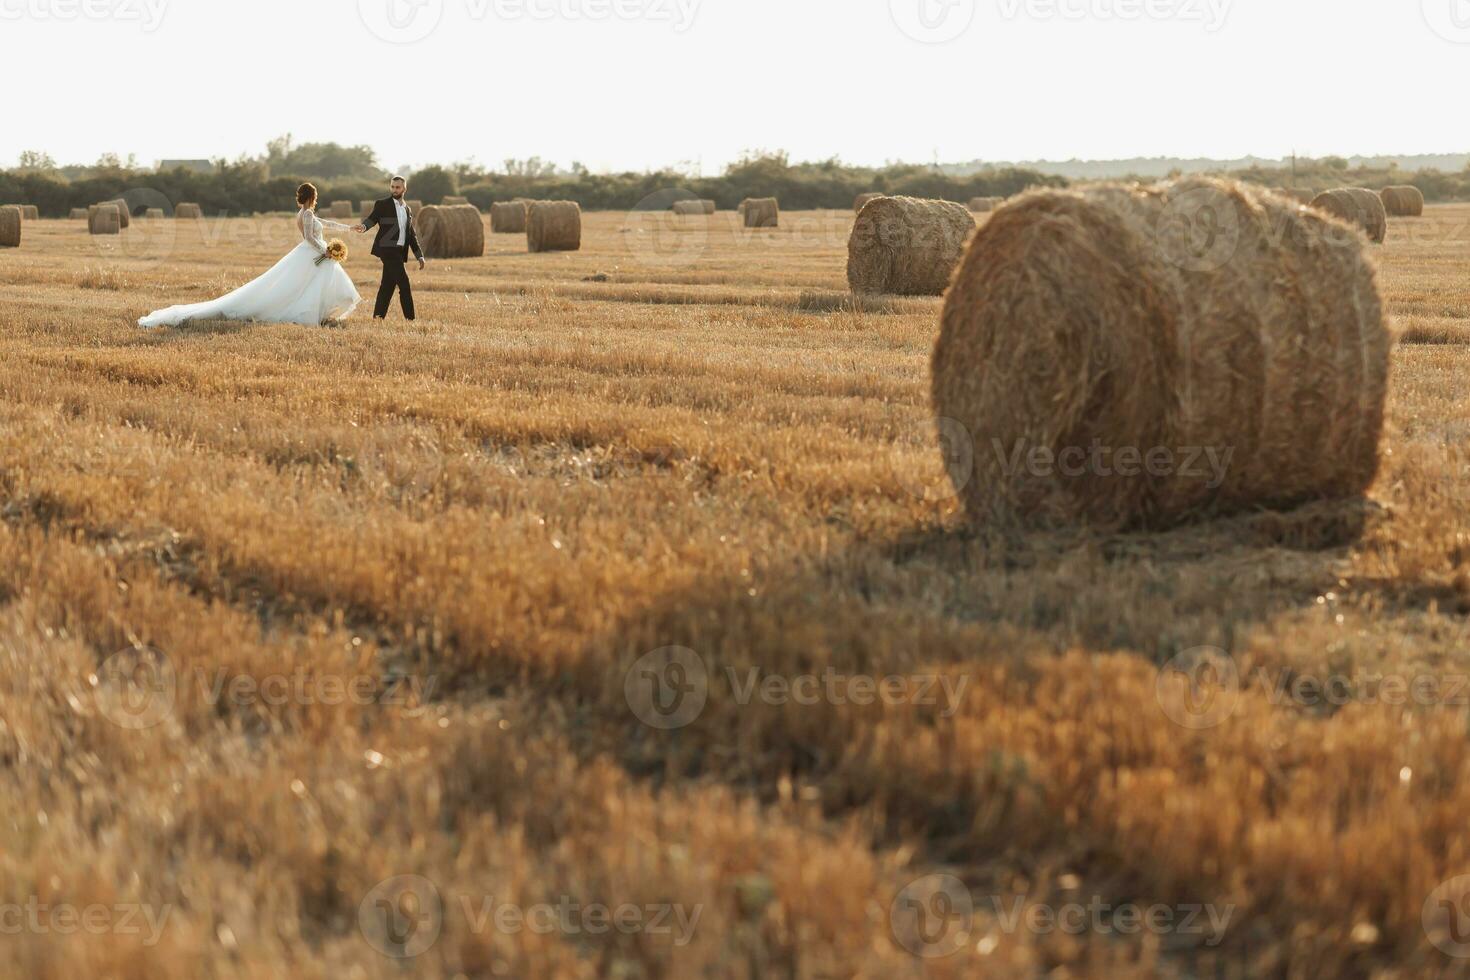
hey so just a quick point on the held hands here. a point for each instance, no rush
(359, 228)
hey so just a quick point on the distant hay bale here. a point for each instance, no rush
(124, 213)
(691, 207)
(188, 211)
(451, 202)
(1403, 201)
(29, 212)
(981, 205)
(415, 206)
(340, 211)
(10, 222)
(77, 214)
(554, 226)
(861, 199)
(904, 246)
(365, 208)
(104, 219)
(453, 232)
(153, 213)
(1098, 346)
(709, 206)
(508, 218)
(1358, 207)
(761, 212)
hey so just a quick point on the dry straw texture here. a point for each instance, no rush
(77, 214)
(452, 202)
(365, 208)
(340, 211)
(29, 212)
(1094, 327)
(761, 212)
(984, 204)
(690, 207)
(709, 206)
(1358, 207)
(153, 213)
(188, 211)
(862, 199)
(104, 219)
(508, 218)
(554, 226)
(1403, 201)
(124, 213)
(453, 232)
(10, 221)
(905, 246)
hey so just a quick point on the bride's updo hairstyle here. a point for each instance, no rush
(306, 195)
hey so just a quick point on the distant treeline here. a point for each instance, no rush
(251, 187)
(258, 185)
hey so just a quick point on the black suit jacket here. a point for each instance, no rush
(385, 217)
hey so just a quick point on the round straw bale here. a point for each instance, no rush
(761, 212)
(124, 213)
(104, 219)
(450, 202)
(77, 214)
(690, 207)
(554, 226)
(188, 211)
(29, 212)
(10, 222)
(1358, 207)
(455, 232)
(709, 206)
(861, 199)
(415, 206)
(365, 208)
(1105, 373)
(340, 211)
(153, 213)
(905, 246)
(508, 218)
(1403, 201)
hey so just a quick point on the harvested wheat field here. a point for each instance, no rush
(618, 618)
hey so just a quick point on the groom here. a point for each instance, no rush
(396, 235)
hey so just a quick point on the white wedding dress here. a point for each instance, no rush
(294, 290)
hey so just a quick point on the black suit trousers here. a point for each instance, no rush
(395, 276)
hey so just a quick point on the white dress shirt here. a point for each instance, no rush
(402, 222)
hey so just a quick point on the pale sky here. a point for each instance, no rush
(637, 84)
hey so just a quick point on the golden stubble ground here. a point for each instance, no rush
(551, 635)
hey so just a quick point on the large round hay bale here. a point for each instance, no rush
(365, 208)
(709, 206)
(508, 218)
(691, 207)
(1142, 356)
(188, 211)
(454, 232)
(153, 213)
(340, 211)
(10, 222)
(77, 214)
(29, 212)
(905, 246)
(452, 202)
(1403, 201)
(761, 212)
(1358, 207)
(862, 199)
(982, 205)
(124, 213)
(554, 226)
(104, 219)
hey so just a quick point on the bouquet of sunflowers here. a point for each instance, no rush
(336, 251)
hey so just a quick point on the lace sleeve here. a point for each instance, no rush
(334, 224)
(311, 232)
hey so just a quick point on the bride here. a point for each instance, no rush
(294, 290)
